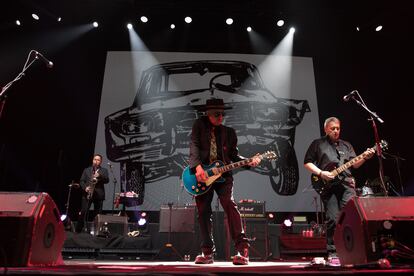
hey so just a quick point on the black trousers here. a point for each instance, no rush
(334, 200)
(225, 194)
(85, 206)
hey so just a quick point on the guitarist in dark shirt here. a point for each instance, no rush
(92, 182)
(322, 157)
(202, 151)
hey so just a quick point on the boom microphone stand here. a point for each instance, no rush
(374, 117)
(26, 66)
(115, 182)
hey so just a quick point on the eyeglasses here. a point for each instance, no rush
(218, 114)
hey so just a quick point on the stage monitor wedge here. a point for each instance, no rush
(31, 232)
(370, 228)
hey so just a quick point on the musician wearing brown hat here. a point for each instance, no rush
(211, 141)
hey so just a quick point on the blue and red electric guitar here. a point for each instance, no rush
(214, 172)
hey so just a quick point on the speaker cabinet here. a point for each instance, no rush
(109, 225)
(367, 228)
(177, 219)
(31, 232)
(256, 230)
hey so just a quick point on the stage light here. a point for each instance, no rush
(229, 21)
(287, 223)
(67, 223)
(172, 26)
(142, 221)
(378, 28)
(143, 214)
(271, 216)
(292, 30)
(144, 19)
(249, 29)
(129, 26)
(95, 24)
(357, 28)
(18, 23)
(188, 19)
(35, 16)
(59, 19)
(280, 22)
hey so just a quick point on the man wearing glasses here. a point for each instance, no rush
(211, 141)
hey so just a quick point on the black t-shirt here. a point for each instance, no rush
(328, 155)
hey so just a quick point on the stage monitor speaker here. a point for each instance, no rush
(368, 227)
(182, 218)
(31, 232)
(109, 225)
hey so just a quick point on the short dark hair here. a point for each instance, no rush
(97, 154)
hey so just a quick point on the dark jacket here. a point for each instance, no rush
(99, 186)
(227, 150)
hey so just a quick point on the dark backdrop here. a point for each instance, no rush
(49, 122)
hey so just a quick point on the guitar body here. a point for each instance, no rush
(198, 188)
(320, 185)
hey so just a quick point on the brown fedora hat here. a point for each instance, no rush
(216, 104)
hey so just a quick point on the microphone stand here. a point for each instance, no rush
(374, 117)
(3, 95)
(115, 182)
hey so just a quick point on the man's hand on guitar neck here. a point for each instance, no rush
(201, 175)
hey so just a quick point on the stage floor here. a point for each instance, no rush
(93, 267)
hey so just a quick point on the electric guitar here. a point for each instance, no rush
(320, 185)
(214, 172)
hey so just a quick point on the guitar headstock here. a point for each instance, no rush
(269, 155)
(384, 144)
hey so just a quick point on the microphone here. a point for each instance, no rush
(38, 55)
(350, 95)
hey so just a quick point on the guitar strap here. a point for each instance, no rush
(223, 142)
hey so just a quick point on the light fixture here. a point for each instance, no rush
(172, 26)
(18, 23)
(287, 223)
(357, 28)
(95, 24)
(188, 19)
(292, 30)
(129, 26)
(378, 28)
(35, 16)
(280, 22)
(144, 19)
(249, 29)
(59, 19)
(229, 21)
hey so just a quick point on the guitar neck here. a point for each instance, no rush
(348, 164)
(235, 165)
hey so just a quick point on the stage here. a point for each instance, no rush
(94, 267)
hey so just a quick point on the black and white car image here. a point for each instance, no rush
(150, 139)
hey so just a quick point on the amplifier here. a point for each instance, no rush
(255, 209)
(109, 225)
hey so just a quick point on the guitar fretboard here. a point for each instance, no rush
(348, 164)
(235, 165)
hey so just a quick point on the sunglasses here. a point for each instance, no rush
(218, 114)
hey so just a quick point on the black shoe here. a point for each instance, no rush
(204, 259)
